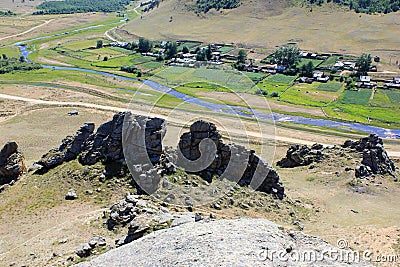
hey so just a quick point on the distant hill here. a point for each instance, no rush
(365, 6)
(359, 6)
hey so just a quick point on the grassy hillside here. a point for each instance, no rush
(266, 24)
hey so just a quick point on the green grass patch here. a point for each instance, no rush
(256, 76)
(304, 61)
(360, 97)
(330, 61)
(280, 78)
(329, 86)
(394, 96)
(226, 49)
(308, 95)
(152, 65)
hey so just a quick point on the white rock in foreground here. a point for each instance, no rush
(239, 242)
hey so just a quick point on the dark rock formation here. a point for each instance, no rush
(203, 152)
(12, 163)
(301, 155)
(375, 159)
(105, 145)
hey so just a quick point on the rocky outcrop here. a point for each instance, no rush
(239, 242)
(86, 249)
(203, 152)
(375, 159)
(105, 145)
(141, 216)
(302, 155)
(12, 163)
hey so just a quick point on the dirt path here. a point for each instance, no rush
(107, 33)
(27, 31)
(170, 119)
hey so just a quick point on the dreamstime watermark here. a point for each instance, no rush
(341, 254)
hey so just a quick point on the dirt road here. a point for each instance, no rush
(170, 119)
(27, 31)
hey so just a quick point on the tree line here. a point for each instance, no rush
(8, 65)
(207, 5)
(7, 13)
(365, 6)
(80, 6)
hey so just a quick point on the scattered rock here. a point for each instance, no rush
(86, 249)
(302, 155)
(71, 195)
(12, 163)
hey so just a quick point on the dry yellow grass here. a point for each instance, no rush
(327, 28)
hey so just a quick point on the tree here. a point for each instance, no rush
(287, 56)
(171, 50)
(242, 56)
(4, 56)
(307, 69)
(185, 50)
(209, 52)
(105, 58)
(22, 59)
(144, 45)
(201, 55)
(364, 64)
(99, 44)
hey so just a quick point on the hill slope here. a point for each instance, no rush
(261, 23)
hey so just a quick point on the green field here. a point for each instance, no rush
(305, 61)
(329, 86)
(256, 76)
(226, 49)
(308, 95)
(360, 97)
(280, 78)
(394, 96)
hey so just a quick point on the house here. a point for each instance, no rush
(306, 80)
(365, 82)
(318, 74)
(280, 68)
(395, 84)
(338, 65)
(304, 54)
(348, 65)
(323, 79)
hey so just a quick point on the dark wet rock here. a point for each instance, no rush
(375, 159)
(12, 163)
(202, 151)
(302, 155)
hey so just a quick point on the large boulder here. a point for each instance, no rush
(375, 159)
(238, 242)
(12, 163)
(203, 152)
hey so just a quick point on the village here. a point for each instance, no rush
(326, 66)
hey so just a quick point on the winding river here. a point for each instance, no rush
(247, 112)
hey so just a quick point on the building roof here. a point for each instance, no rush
(365, 79)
